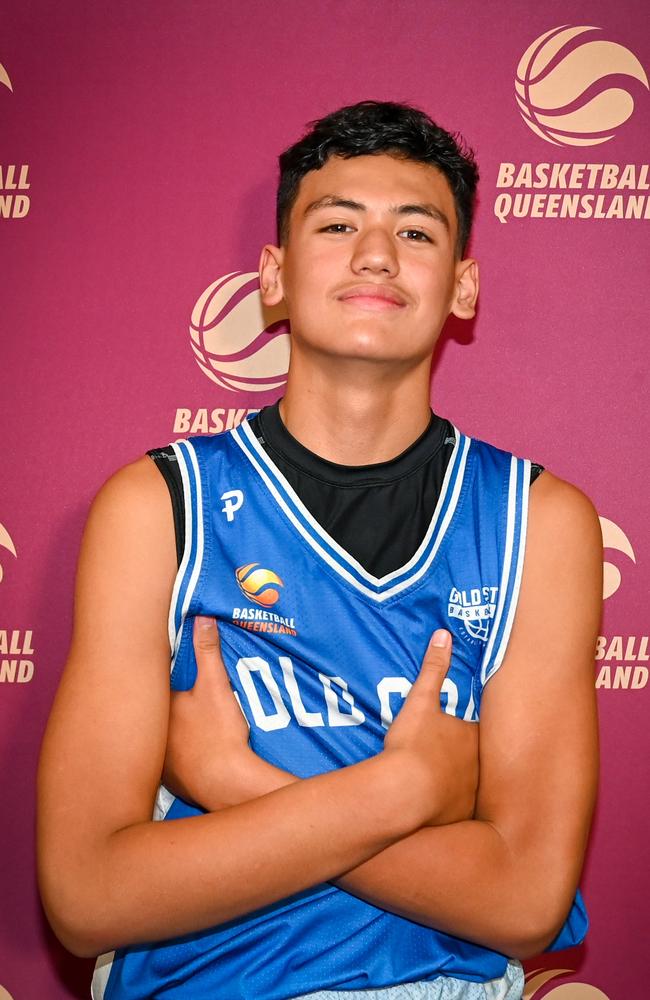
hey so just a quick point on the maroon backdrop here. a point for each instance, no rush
(137, 169)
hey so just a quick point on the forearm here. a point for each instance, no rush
(152, 881)
(461, 878)
(464, 880)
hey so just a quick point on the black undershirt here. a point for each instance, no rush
(378, 513)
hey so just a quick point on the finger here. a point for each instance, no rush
(436, 661)
(207, 649)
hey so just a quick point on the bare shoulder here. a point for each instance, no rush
(137, 490)
(132, 510)
(127, 562)
(561, 587)
(563, 522)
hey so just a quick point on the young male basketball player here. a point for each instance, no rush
(381, 583)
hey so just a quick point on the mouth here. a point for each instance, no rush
(373, 297)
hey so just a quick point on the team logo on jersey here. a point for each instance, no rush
(232, 501)
(474, 608)
(260, 586)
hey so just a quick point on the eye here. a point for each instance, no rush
(416, 236)
(336, 227)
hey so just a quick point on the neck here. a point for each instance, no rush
(356, 414)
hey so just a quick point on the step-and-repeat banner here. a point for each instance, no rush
(138, 146)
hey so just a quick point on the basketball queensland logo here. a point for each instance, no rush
(613, 538)
(6, 542)
(261, 586)
(16, 644)
(621, 660)
(4, 78)
(258, 584)
(575, 88)
(14, 203)
(238, 343)
(535, 982)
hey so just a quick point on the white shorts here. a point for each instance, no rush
(510, 986)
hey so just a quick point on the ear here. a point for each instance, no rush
(465, 289)
(271, 275)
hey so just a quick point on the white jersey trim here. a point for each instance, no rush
(191, 477)
(331, 542)
(103, 967)
(180, 575)
(458, 467)
(514, 598)
(516, 520)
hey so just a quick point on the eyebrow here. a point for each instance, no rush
(426, 209)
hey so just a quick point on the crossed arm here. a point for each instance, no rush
(504, 878)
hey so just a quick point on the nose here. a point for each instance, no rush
(375, 253)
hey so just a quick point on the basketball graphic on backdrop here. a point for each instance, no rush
(6, 542)
(570, 86)
(566, 991)
(616, 539)
(4, 78)
(237, 342)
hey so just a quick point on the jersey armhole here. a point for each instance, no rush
(183, 477)
(514, 547)
(167, 464)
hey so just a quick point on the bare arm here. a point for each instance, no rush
(506, 878)
(109, 875)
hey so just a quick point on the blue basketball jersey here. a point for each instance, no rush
(321, 655)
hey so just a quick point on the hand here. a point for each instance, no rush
(439, 751)
(208, 760)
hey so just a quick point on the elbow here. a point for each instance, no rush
(76, 934)
(74, 916)
(77, 940)
(536, 928)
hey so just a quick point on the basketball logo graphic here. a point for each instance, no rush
(233, 337)
(567, 991)
(258, 585)
(569, 86)
(613, 538)
(4, 78)
(6, 543)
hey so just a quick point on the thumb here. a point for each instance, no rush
(207, 649)
(436, 660)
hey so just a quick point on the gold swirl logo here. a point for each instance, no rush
(613, 538)
(570, 86)
(6, 542)
(4, 79)
(237, 342)
(566, 991)
(258, 584)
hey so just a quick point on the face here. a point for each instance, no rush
(369, 270)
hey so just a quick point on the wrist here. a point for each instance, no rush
(402, 787)
(247, 777)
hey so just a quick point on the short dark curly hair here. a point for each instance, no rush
(371, 127)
